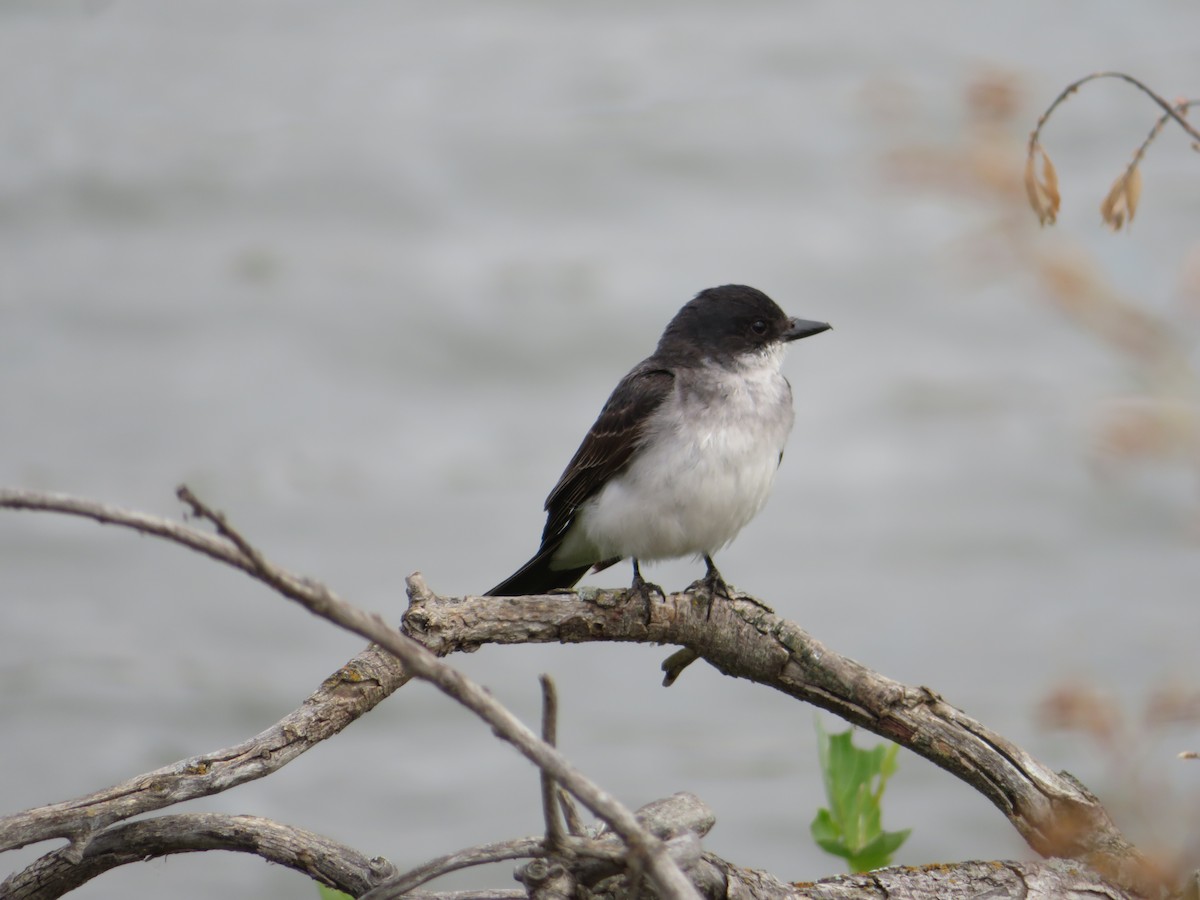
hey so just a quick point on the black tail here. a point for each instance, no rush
(536, 577)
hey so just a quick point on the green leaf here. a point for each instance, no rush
(878, 853)
(826, 834)
(855, 779)
(328, 893)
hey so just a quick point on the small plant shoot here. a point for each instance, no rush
(855, 780)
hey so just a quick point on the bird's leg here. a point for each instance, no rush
(644, 589)
(641, 585)
(714, 583)
(713, 580)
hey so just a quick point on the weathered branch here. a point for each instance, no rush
(550, 808)
(591, 857)
(404, 883)
(741, 637)
(720, 880)
(311, 854)
(353, 690)
(1052, 879)
(345, 695)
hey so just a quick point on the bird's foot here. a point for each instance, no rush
(645, 590)
(712, 584)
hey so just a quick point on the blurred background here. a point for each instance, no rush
(363, 274)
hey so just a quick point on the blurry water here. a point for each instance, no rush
(363, 274)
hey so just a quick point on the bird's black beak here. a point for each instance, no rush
(802, 328)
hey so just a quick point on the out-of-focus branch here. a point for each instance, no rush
(231, 547)
(404, 883)
(550, 808)
(590, 857)
(311, 854)
(350, 692)
(345, 695)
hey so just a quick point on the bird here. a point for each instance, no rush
(683, 453)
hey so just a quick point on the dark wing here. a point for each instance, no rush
(604, 453)
(609, 444)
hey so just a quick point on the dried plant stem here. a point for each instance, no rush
(1171, 111)
(1120, 204)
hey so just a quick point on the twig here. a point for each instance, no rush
(521, 848)
(574, 823)
(550, 812)
(592, 858)
(510, 894)
(1170, 110)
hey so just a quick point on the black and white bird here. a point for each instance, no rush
(684, 452)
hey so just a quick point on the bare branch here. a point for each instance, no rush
(353, 690)
(510, 894)
(318, 599)
(1052, 880)
(1055, 814)
(1026, 880)
(350, 692)
(644, 848)
(570, 813)
(739, 636)
(550, 811)
(521, 848)
(311, 854)
(105, 514)
(591, 857)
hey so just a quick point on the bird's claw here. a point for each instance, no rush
(645, 590)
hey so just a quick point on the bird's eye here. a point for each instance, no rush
(759, 326)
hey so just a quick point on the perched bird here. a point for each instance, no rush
(684, 451)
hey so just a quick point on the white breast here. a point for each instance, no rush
(706, 470)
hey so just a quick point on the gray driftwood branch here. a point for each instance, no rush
(739, 635)
(595, 863)
(344, 696)
(743, 638)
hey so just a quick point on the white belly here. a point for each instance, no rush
(701, 477)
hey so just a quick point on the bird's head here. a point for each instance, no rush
(731, 322)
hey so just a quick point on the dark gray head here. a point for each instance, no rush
(731, 321)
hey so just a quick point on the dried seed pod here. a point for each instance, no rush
(1043, 192)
